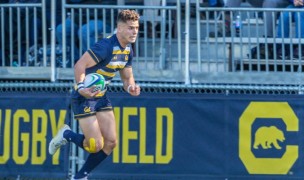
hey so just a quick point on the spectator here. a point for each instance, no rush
(38, 21)
(151, 15)
(284, 24)
(215, 3)
(14, 32)
(299, 20)
(82, 31)
(269, 21)
(1, 48)
(35, 26)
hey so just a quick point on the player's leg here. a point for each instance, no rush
(107, 126)
(87, 122)
(93, 142)
(58, 140)
(90, 128)
(65, 134)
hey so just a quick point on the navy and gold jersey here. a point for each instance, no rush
(110, 57)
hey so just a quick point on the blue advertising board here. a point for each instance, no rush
(164, 136)
(27, 123)
(206, 136)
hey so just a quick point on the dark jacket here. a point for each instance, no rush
(84, 15)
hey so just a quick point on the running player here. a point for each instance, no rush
(94, 109)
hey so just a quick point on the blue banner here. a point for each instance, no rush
(206, 136)
(27, 123)
(163, 136)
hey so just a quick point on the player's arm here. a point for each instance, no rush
(79, 72)
(129, 84)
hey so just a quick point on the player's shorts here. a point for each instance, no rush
(83, 107)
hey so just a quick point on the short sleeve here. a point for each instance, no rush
(129, 63)
(99, 51)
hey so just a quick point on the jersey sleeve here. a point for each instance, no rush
(129, 63)
(99, 51)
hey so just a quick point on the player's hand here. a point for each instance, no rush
(88, 92)
(134, 90)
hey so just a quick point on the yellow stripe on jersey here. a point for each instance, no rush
(116, 50)
(109, 74)
(115, 65)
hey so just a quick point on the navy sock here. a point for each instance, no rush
(92, 162)
(74, 137)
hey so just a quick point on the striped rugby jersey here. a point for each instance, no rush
(110, 57)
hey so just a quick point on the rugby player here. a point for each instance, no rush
(93, 110)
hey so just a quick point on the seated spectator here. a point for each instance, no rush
(269, 21)
(81, 32)
(14, 33)
(35, 26)
(284, 25)
(151, 14)
(215, 3)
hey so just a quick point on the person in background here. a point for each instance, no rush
(269, 21)
(13, 33)
(215, 3)
(151, 14)
(298, 18)
(81, 29)
(93, 110)
(284, 26)
(1, 48)
(35, 26)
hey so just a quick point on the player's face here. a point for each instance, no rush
(129, 31)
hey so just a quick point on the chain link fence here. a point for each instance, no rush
(152, 87)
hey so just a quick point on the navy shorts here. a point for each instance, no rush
(83, 107)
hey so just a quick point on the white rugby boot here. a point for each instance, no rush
(58, 140)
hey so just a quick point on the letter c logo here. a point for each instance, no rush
(255, 165)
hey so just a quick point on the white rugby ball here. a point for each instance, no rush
(95, 79)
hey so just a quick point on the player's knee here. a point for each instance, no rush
(93, 145)
(111, 144)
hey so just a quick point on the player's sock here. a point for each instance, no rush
(74, 137)
(92, 162)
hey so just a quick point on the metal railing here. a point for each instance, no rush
(154, 46)
(176, 45)
(158, 48)
(252, 55)
(20, 34)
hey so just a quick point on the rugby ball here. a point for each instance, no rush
(95, 79)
